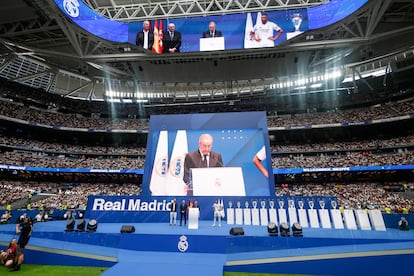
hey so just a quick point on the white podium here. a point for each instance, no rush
(337, 219)
(247, 216)
(193, 215)
(377, 221)
(303, 218)
(264, 220)
(293, 217)
(212, 44)
(230, 215)
(239, 216)
(282, 216)
(349, 219)
(313, 218)
(362, 219)
(255, 216)
(273, 216)
(325, 220)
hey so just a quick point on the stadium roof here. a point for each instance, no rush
(41, 47)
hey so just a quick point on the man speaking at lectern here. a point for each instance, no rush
(212, 31)
(203, 157)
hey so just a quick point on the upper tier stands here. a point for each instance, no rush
(26, 152)
(73, 120)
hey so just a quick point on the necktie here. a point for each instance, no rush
(205, 163)
(171, 35)
(211, 34)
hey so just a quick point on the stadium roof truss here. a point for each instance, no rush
(61, 58)
(126, 10)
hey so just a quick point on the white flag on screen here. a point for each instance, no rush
(176, 184)
(159, 174)
(249, 42)
(248, 39)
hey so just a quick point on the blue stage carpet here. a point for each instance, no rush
(160, 263)
(154, 249)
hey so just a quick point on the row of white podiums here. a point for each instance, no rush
(315, 218)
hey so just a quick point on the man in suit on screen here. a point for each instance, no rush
(171, 40)
(212, 31)
(145, 38)
(203, 157)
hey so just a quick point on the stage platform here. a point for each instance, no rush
(154, 249)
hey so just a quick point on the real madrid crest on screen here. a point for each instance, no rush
(183, 244)
(71, 7)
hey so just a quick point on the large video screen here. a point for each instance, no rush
(232, 31)
(221, 154)
(235, 30)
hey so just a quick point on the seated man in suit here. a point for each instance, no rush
(203, 157)
(212, 31)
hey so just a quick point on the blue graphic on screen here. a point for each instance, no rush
(93, 22)
(234, 27)
(238, 137)
(332, 12)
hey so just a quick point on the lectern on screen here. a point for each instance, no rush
(212, 44)
(218, 181)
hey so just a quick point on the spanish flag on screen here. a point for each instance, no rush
(158, 33)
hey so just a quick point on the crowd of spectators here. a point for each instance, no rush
(73, 120)
(376, 144)
(27, 152)
(77, 196)
(44, 146)
(38, 159)
(56, 196)
(76, 120)
(376, 112)
(349, 159)
(367, 195)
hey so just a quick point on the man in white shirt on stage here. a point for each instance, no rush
(217, 208)
(173, 212)
(263, 32)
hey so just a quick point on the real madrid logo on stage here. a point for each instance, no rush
(183, 244)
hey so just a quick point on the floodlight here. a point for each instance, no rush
(272, 229)
(284, 229)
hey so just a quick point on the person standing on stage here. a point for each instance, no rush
(173, 212)
(217, 208)
(183, 212)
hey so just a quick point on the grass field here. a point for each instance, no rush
(48, 270)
